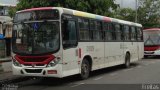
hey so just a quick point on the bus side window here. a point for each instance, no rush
(126, 33)
(139, 34)
(69, 33)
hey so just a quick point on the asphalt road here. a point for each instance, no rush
(142, 75)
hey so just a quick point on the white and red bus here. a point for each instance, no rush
(151, 42)
(59, 42)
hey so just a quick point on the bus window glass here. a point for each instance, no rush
(118, 32)
(83, 29)
(69, 34)
(110, 32)
(126, 33)
(133, 34)
(92, 25)
(99, 31)
(96, 30)
(105, 28)
(139, 34)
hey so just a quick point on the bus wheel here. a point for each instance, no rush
(85, 69)
(127, 60)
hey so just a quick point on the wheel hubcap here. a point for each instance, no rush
(84, 69)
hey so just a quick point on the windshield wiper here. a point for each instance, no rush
(149, 39)
(158, 41)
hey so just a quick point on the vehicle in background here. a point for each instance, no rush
(151, 42)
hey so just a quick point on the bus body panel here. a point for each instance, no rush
(132, 48)
(141, 50)
(114, 53)
(152, 53)
(70, 62)
(95, 50)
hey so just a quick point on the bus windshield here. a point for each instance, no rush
(151, 37)
(36, 37)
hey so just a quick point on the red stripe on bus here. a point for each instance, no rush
(157, 29)
(151, 48)
(80, 51)
(34, 59)
(107, 19)
(41, 8)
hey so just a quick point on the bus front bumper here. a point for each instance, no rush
(55, 71)
(152, 53)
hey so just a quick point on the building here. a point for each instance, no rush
(5, 30)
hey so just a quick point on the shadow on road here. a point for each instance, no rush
(45, 82)
(152, 57)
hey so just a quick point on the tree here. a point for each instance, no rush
(12, 11)
(101, 7)
(148, 13)
(127, 14)
(25, 4)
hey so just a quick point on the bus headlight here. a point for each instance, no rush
(53, 63)
(16, 63)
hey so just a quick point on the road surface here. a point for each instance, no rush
(142, 75)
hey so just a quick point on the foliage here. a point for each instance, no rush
(12, 11)
(25, 4)
(148, 10)
(101, 7)
(148, 13)
(125, 14)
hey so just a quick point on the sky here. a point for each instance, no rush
(127, 3)
(123, 3)
(10, 2)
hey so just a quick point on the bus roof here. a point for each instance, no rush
(152, 29)
(33, 9)
(85, 14)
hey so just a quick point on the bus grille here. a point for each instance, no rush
(33, 70)
(39, 65)
(34, 59)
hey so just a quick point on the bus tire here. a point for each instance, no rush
(127, 60)
(85, 69)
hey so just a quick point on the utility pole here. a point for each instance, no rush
(121, 4)
(136, 7)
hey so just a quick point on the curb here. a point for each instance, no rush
(5, 72)
(7, 60)
(2, 69)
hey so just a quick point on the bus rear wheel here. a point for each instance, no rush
(85, 69)
(127, 60)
